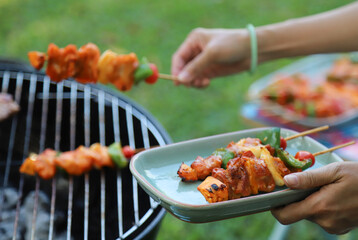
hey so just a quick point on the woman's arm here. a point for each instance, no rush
(210, 53)
(332, 31)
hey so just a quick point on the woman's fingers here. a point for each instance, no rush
(187, 51)
(313, 178)
(292, 213)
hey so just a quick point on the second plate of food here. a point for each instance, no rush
(314, 91)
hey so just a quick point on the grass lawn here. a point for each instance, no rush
(155, 29)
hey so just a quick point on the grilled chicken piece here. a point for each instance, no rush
(259, 175)
(45, 164)
(61, 62)
(28, 166)
(103, 159)
(117, 69)
(213, 190)
(7, 106)
(86, 65)
(37, 59)
(67, 161)
(199, 169)
(82, 159)
(85, 158)
(247, 174)
(124, 76)
(204, 166)
(78, 161)
(187, 174)
(236, 177)
(42, 164)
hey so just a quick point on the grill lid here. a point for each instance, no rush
(101, 204)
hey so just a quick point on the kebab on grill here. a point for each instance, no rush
(87, 65)
(78, 161)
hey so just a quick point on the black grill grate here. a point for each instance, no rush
(103, 204)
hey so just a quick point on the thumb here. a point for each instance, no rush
(194, 68)
(313, 178)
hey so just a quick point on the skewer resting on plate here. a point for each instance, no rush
(253, 170)
(314, 130)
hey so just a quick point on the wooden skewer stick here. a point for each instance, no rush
(168, 77)
(334, 148)
(314, 130)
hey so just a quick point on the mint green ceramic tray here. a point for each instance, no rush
(156, 172)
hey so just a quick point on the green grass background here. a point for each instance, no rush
(155, 29)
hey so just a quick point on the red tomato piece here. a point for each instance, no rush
(154, 77)
(303, 155)
(283, 143)
(128, 152)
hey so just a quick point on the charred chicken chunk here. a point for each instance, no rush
(61, 62)
(37, 59)
(86, 65)
(187, 174)
(199, 169)
(213, 190)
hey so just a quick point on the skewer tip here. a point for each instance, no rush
(334, 148)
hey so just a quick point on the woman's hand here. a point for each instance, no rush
(334, 206)
(209, 53)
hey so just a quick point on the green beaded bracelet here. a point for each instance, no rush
(253, 43)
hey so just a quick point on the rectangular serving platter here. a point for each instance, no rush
(156, 172)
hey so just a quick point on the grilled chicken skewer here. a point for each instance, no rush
(202, 167)
(248, 174)
(87, 65)
(76, 162)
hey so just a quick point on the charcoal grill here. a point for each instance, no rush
(102, 204)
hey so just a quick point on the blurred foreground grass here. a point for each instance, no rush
(155, 29)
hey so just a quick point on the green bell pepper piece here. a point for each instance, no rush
(298, 105)
(271, 136)
(292, 161)
(311, 109)
(143, 71)
(116, 154)
(225, 155)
